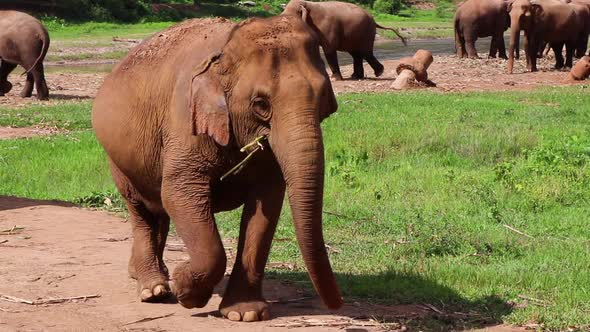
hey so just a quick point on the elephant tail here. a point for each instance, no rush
(395, 31)
(44, 37)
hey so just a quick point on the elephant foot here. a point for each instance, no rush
(474, 57)
(251, 310)
(379, 71)
(337, 77)
(5, 87)
(188, 288)
(154, 291)
(25, 94)
(356, 76)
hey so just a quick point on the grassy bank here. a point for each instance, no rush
(469, 202)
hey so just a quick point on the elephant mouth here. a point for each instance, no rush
(258, 144)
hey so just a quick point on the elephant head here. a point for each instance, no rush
(269, 79)
(522, 17)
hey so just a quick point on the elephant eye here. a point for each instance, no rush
(261, 108)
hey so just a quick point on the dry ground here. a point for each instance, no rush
(59, 251)
(448, 72)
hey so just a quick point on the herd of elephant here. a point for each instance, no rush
(558, 23)
(232, 120)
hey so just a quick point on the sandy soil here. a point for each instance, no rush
(448, 72)
(59, 251)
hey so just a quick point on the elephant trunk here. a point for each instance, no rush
(299, 150)
(514, 42)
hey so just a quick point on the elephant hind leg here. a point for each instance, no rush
(558, 51)
(5, 69)
(150, 230)
(359, 71)
(28, 89)
(40, 83)
(374, 63)
(569, 54)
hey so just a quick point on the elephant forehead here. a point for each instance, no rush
(279, 33)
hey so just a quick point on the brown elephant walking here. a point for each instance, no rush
(172, 117)
(345, 27)
(481, 18)
(549, 21)
(23, 41)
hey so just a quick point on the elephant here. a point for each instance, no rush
(342, 26)
(549, 21)
(23, 41)
(172, 141)
(481, 18)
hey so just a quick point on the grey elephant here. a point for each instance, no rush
(481, 18)
(175, 144)
(345, 27)
(23, 41)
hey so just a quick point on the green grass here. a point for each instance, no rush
(97, 31)
(70, 116)
(419, 188)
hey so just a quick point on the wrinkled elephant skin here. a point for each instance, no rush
(172, 117)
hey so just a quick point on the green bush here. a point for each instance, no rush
(387, 6)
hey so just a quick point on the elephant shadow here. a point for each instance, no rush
(412, 300)
(12, 203)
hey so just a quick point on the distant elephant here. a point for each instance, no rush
(23, 41)
(342, 26)
(549, 21)
(481, 18)
(169, 140)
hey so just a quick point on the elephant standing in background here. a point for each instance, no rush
(23, 41)
(481, 18)
(549, 21)
(220, 87)
(342, 26)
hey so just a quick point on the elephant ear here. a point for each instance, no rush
(306, 17)
(208, 106)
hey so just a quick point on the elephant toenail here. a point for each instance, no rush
(234, 315)
(146, 294)
(250, 316)
(159, 290)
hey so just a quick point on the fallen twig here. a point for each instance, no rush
(126, 40)
(112, 239)
(60, 278)
(148, 319)
(9, 298)
(330, 322)
(291, 300)
(433, 308)
(3, 241)
(517, 231)
(7, 310)
(12, 231)
(538, 302)
(175, 247)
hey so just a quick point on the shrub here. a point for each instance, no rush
(387, 6)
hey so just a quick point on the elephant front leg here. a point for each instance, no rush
(332, 58)
(470, 45)
(359, 71)
(187, 199)
(243, 298)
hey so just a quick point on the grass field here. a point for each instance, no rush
(469, 202)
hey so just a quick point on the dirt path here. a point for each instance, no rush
(448, 72)
(64, 251)
(12, 133)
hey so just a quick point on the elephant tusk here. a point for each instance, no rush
(258, 146)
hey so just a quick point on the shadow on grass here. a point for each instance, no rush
(11, 203)
(393, 297)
